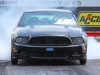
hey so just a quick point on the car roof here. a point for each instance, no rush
(55, 10)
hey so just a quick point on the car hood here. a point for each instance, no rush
(50, 30)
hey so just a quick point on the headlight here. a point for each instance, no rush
(77, 41)
(21, 40)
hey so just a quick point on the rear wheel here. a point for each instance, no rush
(83, 61)
(14, 61)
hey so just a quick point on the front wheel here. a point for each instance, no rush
(83, 61)
(14, 61)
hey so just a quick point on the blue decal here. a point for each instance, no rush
(49, 49)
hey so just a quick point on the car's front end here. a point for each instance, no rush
(49, 41)
(50, 50)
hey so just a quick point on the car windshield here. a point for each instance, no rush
(47, 18)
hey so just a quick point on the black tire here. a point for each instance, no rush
(14, 61)
(83, 61)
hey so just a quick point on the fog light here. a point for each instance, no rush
(83, 50)
(14, 50)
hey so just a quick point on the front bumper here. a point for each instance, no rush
(40, 52)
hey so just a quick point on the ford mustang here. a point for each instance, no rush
(48, 34)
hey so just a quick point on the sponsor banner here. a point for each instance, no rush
(89, 18)
(46, 3)
(51, 3)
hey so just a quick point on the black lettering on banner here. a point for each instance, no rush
(8, 2)
(59, 2)
(98, 19)
(87, 20)
(84, 20)
(55, 2)
(95, 18)
(78, 2)
(73, 2)
(92, 19)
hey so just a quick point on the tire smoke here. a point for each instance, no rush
(9, 19)
(93, 50)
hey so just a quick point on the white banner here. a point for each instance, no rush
(51, 3)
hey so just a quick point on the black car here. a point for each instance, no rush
(48, 34)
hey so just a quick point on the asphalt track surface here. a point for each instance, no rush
(50, 67)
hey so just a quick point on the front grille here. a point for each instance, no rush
(50, 41)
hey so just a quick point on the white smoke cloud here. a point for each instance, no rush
(93, 50)
(10, 18)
